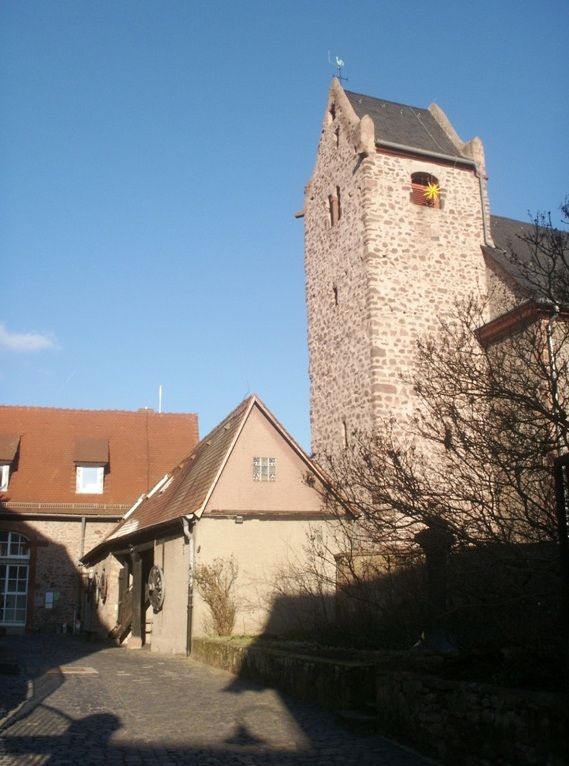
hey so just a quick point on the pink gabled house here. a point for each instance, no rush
(245, 495)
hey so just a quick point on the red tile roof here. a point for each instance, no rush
(140, 447)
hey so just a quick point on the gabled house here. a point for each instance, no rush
(244, 498)
(67, 477)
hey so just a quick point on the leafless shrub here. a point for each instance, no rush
(215, 583)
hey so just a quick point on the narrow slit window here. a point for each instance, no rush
(334, 207)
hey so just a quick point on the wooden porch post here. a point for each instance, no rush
(136, 639)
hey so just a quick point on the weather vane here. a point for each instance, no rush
(340, 66)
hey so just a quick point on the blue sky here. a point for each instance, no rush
(153, 154)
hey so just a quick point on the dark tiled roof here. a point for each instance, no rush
(406, 125)
(510, 237)
(506, 233)
(140, 447)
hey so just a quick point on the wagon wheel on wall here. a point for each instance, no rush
(156, 588)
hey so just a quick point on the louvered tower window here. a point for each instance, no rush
(425, 190)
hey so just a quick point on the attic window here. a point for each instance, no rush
(4, 476)
(89, 479)
(264, 469)
(425, 190)
(8, 452)
(91, 456)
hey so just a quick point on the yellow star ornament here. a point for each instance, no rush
(432, 192)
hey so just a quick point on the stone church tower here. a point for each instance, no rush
(396, 214)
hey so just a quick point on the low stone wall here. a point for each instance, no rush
(455, 722)
(473, 724)
(331, 684)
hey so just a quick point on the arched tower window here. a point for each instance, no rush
(14, 557)
(425, 190)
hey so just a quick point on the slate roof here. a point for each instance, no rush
(140, 447)
(508, 235)
(406, 125)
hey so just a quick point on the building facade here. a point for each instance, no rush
(244, 502)
(67, 477)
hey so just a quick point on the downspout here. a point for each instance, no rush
(188, 526)
(82, 544)
(79, 617)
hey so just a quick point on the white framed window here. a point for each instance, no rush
(90, 479)
(4, 476)
(14, 551)
(13, 545)
(264, 469)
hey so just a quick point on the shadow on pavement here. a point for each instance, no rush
(43, 729)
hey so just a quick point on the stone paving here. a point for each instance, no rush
(78, 703)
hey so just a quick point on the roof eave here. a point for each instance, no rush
(413, 150)
(516, 319)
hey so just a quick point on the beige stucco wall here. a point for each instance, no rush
(169, 624)
(237, 492)
(263, 550)
(379, 277)
(263, 525)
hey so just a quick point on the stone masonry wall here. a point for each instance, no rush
(381, 275)
(420, 261)
(336, 290)
(473, 724)
(55, 567)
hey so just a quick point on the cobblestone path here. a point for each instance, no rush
(75, 703)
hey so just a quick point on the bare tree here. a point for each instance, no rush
(474, 463)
